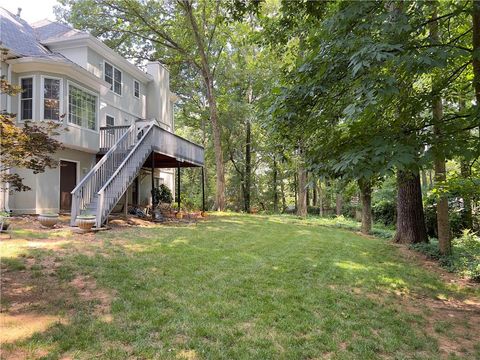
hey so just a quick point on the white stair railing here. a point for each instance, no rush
(86, 191)
(120, 180)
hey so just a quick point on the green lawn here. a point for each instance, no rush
(248, 287)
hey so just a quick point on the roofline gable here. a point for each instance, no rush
(108, 53)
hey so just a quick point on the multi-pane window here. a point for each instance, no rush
(114, 77)
(136, 88)
(26, 99)
(82, 108)
(110, 120)
(51, 99)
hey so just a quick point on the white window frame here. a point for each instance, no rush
(34, 98)
(42, 97)
(113, 77)
(97, 125)
(136, 82)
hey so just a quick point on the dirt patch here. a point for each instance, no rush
(88, 290)
(453, 322)
(17, 327)
(433, 266)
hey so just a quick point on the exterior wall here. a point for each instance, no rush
(159, 105)
(44, 195)
(77, 54)
(126, 108)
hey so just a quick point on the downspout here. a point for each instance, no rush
(5, 188)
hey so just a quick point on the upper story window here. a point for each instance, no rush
(51, 99)
(26, 99)
(114, 77)
(82, 108)
(136, 88)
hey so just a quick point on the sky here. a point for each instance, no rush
(32, 10)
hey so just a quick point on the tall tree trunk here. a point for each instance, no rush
(338, 204)
(275, 181)
(295, 187)
(212, 104)
(282, 190)
(465, 172)
(476, 49)
(467, 215)
(315, 193)
(302, 190)
(424, 179)
(366, 199)
(307, 191)
(443, 225)
(248, 167)
(320, 197)
(410, 218)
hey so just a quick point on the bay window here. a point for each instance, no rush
(82, 108)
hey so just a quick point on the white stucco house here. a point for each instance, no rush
(119, 118)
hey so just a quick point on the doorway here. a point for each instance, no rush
(68, 181)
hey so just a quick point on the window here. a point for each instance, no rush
(82, 108)
(136, 88)
(51, 99)
(26, 99)
(114, 77)
(110, 120)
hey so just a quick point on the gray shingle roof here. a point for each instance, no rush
(18, 36)
(46, 30)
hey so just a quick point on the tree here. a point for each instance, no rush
(170, 31)
(30, 146)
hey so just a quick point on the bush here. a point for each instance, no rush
(465, 258)
(162, 195)
(455, 217)
(348, 210)
(384, 212)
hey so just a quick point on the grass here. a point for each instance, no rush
(249, 287)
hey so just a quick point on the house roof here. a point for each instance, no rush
(35, 40)
(18, 36)
(47, 30)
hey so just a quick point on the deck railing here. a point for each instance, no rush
(85, 192)
(109, 135)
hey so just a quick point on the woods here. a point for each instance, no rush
(368, 110)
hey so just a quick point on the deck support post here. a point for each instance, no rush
(178, 187)
(153, 184)
(125, 206)
(203, 189)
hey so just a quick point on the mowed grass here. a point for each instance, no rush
(251, 287)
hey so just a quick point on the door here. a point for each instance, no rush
(68, 181)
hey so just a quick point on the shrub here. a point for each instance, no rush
(162, 194)
(385, 212)
(465, 258)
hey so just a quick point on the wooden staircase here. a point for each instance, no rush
(107, 181)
